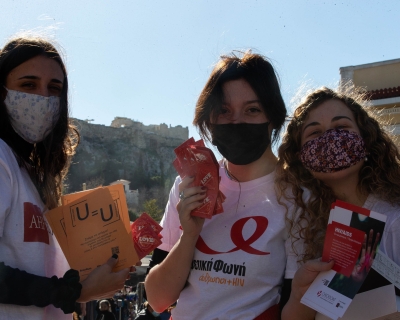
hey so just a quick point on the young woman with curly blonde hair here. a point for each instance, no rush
(335, 149)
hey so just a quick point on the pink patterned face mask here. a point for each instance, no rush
(333, 151)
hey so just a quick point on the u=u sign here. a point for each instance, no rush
(85, 214)
(237, 237)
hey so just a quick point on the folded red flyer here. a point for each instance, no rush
(145, 235)
(194, 159)
(343, 244)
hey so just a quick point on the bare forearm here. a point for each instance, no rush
(165, 281)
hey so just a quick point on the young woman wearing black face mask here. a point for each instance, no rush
(231, 266)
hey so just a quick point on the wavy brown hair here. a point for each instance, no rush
(47, 161)
(258, 72)
(379, 175)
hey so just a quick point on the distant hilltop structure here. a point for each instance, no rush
(162, 129)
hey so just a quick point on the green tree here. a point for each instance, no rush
(152, 209)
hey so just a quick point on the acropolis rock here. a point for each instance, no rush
(127, 149)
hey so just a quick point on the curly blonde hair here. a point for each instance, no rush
(379, 175)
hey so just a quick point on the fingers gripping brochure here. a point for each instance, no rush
(93, 225)
(352, 238)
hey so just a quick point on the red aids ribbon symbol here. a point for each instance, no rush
(237, 237)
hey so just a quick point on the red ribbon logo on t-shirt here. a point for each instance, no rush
(35, 227)
(237, 237)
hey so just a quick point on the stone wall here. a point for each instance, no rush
(162, 130)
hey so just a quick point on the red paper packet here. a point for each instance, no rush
(197, 161)
(194, 159)
(207, 175)
(154, 225)
(185, 156)
(218, 205)
(145, 235)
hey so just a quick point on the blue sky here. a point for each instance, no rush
(148, 60)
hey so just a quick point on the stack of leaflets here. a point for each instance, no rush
(193, 158)
(91, 226)
(352, 239)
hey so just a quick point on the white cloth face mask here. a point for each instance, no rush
(32, 116)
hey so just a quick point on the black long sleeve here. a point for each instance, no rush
(21, 288)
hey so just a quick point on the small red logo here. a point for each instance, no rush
(35, 227)
(319, 293)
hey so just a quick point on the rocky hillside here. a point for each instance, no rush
(106, 154)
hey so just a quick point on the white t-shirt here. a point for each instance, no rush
(390, 243)
(242, 254)
(26, 241)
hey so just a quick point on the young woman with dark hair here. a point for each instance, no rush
(232, 265)
(37, 142)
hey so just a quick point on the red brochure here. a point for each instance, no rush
(343, 244)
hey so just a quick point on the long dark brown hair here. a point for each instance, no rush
(47, 161)
(259, 73)
(380, 175)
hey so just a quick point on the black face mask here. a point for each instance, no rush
(241, 143)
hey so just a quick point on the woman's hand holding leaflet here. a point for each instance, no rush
(102, 282)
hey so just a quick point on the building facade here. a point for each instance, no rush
(132, 196)
(381, 83)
